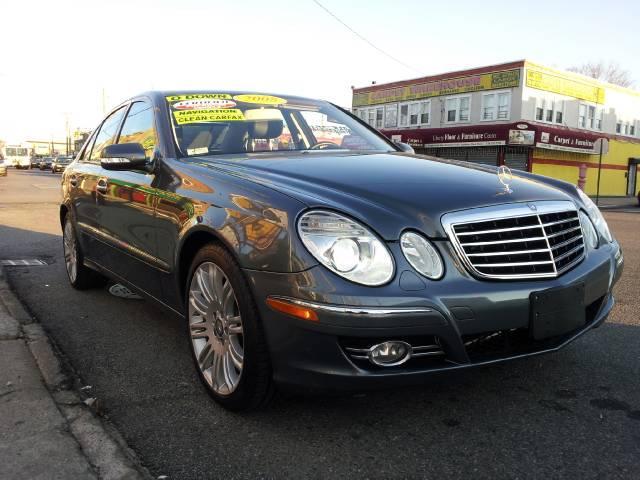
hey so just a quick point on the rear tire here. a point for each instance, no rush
(225, 332)
(80, 276)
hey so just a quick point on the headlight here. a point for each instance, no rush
(346, 247)
(596, 217)
(421, 255)
(588, 231)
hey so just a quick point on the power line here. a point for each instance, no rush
(365, 39)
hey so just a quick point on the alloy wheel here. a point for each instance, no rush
(215, 326)
(70, 251)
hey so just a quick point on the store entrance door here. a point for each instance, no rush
(632, 175)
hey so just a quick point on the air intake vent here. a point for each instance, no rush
(541, 239)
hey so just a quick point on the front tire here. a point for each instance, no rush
(225, 332)
(80, 276)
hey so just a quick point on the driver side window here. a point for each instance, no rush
(138, 127)
(107, 134)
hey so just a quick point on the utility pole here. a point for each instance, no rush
(104, 102)
(66, 129)
(601, 144)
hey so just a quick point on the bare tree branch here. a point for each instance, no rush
(610, 72)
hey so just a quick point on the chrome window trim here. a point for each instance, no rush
(505, 211)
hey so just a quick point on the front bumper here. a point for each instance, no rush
(474, 322)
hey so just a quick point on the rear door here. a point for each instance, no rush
(126, 202)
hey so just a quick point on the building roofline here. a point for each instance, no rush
(496, 67)
(442, 76)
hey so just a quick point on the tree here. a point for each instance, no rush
(610, 72)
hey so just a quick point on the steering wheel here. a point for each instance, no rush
(325, 146)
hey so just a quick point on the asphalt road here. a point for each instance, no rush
(574, 414)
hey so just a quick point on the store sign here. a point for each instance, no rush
(453, 137)
(564, 86)
(450, 86)
(567, 142)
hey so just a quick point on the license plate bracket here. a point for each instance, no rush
(557, 311)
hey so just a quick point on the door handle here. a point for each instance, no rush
(102, 185)
(73, 181)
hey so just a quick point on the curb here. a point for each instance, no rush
(103, 447)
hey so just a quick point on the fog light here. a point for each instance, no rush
(388, 354)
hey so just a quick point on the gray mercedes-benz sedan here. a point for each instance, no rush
(303, 248)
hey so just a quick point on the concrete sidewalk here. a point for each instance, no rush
(46, 430)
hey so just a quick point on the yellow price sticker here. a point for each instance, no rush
(214, 115)
(260, 99)
(199, 96)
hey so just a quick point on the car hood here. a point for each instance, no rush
(390, 192)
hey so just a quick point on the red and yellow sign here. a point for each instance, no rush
(449, 86)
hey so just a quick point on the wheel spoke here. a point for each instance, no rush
(235, 325)
(200, 330)
(198, 303)
(236, 355)
(228, 370)
(205, 286)
(227, 299)
(206, 356)
(216, 371)
(217, 279)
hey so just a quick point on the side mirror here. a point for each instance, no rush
(123, 156)
(405, 147)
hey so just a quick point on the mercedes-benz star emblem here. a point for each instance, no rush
(505, 176)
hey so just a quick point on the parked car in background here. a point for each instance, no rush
(3, 168)
(303, 248)
(35, 161)
(59, 164)
(45, 163)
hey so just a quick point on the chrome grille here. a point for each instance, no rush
(538, 239)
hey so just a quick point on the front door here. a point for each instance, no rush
(126, 200)
(83, 182)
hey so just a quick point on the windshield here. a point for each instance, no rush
(222, 123)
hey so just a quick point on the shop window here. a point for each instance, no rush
(425, 112)
(496, 106)
(582, 116)
(371, 120)
(619, 127)
(549, 111)
(404, 115)
(590, 117)
(391, 115)
(632, 130)
(558, 117)
(599, 116)
(415, 113)
(457, 109)
(379, 117)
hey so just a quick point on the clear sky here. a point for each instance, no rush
(56, 57)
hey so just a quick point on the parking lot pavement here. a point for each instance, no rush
(572, 414)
